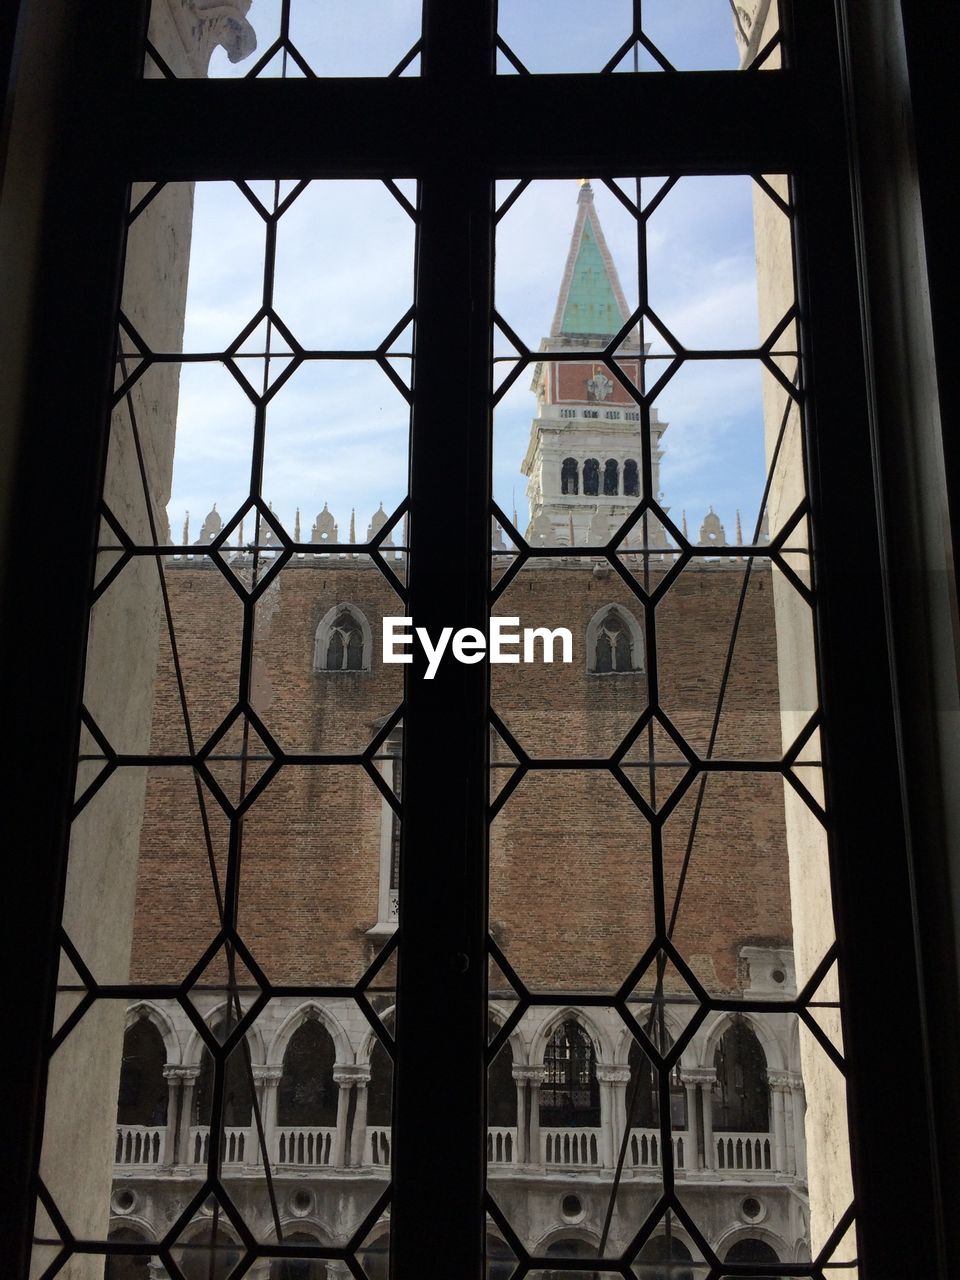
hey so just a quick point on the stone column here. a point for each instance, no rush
(520, 1153)
(705, 1077)
(260, 1270)
(343, 1077)
(266, 1081)
(337, 1270)
(693, 1151)
(613, 1111)
(533, 1077)
(189, 1078)
(174, 1079)
(779, 1082)
(358, 1137)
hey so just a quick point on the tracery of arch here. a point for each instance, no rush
(570, 1093)
(343, 641)
(741, 1099)
(614, 642)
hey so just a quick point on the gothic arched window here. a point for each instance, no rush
(501, 1089)
(215, 1262)
(299, 1268)
(237, 1088)
(631, 478)
(343, 641)
(591, 477)
(570, 1095)
(380, 1088)
(569, 476)
(611, 478)
(751, 1250)
(570, 1249)
(614, 641)
(143, 1090)
(643, 1078)
(665, 1250)
(126, 1266)
(307, 1094)
(501, 1263)
(741, 1102)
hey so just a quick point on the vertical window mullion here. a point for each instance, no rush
(441, 1023)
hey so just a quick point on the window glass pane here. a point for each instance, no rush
(226, 1000)
(659, 893)
(289, 39)
(543, 36)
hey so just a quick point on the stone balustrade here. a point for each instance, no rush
(745, 1152)
(313, 1146)
(562, 1146)
(644, 1149)
(140, 1144)
(305, 1145)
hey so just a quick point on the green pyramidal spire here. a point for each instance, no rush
(591, 300)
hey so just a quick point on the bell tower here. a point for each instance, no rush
(583, 464)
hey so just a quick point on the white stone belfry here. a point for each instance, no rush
(585, 454)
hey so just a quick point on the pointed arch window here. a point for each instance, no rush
(299, 1268)
(611, 478)
(143, 1089)
(752, 1250)
(644, 1079)
(501, 1089)
(569, 476)
(741, 1103)
(570, 1094)
(614, 642)
(307, 1094)
(237, 1091)
(591, 477)
(668, 1250)
(344, 641)
(631, 478)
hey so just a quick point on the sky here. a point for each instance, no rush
(337, 431)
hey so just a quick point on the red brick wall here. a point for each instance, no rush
(571, 856)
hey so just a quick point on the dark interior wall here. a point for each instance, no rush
(904, 129)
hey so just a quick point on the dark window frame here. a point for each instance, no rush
(457, 128)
